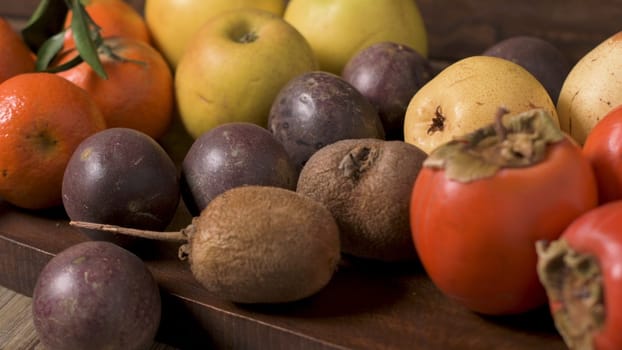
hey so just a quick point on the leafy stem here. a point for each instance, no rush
(44, 34)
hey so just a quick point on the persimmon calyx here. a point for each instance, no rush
(573, 283)
(518, 141)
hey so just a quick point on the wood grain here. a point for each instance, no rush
(16, 327)
(365, 306)
(17, 330)
(461, 28)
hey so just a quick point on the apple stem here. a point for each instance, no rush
(169, 236)
(248, 38)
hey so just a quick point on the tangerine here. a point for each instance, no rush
(43, 119)
(16, 58)
(114, 18)
(138, 93)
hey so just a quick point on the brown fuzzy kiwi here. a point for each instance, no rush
(366, 184)
(257, 244)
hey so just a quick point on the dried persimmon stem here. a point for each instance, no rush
(170, 236)
(501, 130)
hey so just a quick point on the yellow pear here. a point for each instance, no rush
(592, 88)
(466, 96)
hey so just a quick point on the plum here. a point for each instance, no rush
(539, 57)
(388, 74)
(96, 295)
(231, 155)
(318, 108)
(121, 176)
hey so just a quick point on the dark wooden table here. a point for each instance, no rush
(17, 330)
(365, 306)
(460, 28)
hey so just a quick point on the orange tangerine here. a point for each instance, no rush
(114, 18)
(138, 93)
(16, 58)
(43, 119)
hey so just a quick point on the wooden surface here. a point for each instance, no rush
(460, 28)
(365, 306)
(17, 330)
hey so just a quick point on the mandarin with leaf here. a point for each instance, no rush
(138, 93)
(114, 18)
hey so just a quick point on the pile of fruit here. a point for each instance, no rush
(309, 133)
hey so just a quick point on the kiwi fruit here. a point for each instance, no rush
(366, 184)
(256, 244)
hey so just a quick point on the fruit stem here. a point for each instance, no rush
(520, 141)
(110, 52)
(502, 131)
(248, 37)
(357, 161)
(169, 236)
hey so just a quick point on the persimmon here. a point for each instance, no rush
(482, 201)
(603, 147)
(581, 274)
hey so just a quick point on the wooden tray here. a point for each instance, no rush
(365, 306)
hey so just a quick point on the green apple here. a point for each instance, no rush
(234, 67)
(173, 22)
(337, 29)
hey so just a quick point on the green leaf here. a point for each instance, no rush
(49, 50)
(67, 65)
(82, 27)
(47, 20)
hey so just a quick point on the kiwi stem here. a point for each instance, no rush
(169, 236)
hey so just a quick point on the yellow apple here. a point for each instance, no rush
(234, 67)
(337, 29)
(173, 22)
